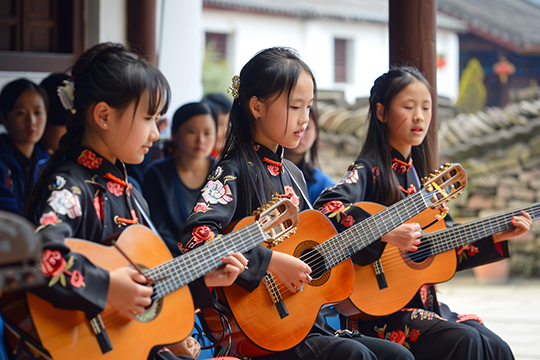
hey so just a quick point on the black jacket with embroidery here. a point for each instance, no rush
(86, 197)
(359, 185)
(219, 204)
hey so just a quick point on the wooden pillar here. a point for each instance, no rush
(141, 28)
(413, 31)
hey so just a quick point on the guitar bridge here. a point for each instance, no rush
(379, 274)
(101, 335)
(275, 295)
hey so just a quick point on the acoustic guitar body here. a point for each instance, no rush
(68, 334)
(403, 276)
(256, 315)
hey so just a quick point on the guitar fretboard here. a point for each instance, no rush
(186, 268)
(459, 235)
(368, 231)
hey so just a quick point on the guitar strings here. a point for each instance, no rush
(448, 239)
(436, 239)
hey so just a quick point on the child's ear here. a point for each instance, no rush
(380, 113)
(102, 115)
(255, 105)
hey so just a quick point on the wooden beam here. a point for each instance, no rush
(141, 28)
(413, 32)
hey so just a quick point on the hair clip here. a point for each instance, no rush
(66, 93)
(235, 86)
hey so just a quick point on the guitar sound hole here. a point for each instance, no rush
(315, 262)
(423, 252)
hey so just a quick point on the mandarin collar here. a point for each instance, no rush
(396, 154)
(264, 152)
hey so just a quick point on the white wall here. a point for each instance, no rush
(182, 51)
(314, 39)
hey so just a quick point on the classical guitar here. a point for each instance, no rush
(272, 319)
(434, 262)
(68, 334)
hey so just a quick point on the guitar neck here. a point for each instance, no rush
(371, 229)
(459, 235)
(186, 268)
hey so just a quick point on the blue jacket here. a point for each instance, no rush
(12, 196)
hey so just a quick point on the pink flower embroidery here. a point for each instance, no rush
(77, 279)
(273, 169)
(397, 337)
(89, 159)
(347, 221)
(289, 192)
(332, 206)
(64, 202)
(215, 192)
(49, 218)
(52, 263)
(115, 188)
(200, 234)
(201, 208)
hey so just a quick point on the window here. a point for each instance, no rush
(40, 35)
(341, 60)
(218, 43)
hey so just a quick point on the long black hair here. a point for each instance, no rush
(270, 73)
(106, 72)
(377, 147)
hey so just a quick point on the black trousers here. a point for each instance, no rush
(328, 347)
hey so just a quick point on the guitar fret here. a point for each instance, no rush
(202, 259)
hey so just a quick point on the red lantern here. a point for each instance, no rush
(441, 61)
(503, 68)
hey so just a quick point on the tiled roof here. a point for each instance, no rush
(348, 10)
(513, 21)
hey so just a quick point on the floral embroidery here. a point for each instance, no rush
(273, 169)
(331, 207)
(55, 266)
(351, 177)
(59, 183)
(336, 209)
(201, 208)
(464, 250)
(200, 234)
(89, 159)
(98, 205)
(65, 203)
(215, 192)
(399, 336)
(289, 192)
(347, 221)
(466, 317)
(214, 175)
(115, 188)
(423, 314)
(49, 218)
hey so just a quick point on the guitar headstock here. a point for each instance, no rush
(444, 184)
(278, 220)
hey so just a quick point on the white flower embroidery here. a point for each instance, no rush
(215, 192)
(65, 203)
